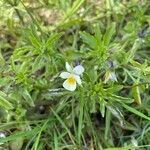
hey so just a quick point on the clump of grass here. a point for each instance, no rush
(110, 39)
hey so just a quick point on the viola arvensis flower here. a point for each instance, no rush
(72, 77)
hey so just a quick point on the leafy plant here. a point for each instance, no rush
(109, 110)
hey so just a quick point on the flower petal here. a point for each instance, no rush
(2, 135)
(68, 67)
(64, 75)
(78, 79)
(110, 76)
(78, 70)
(113, 77)
(70, 87)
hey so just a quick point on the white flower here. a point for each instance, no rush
(110, 76)
(72, 77)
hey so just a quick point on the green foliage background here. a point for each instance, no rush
(38, 37)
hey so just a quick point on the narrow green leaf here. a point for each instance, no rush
(131, 53)
(35, 42)
(36, 143)
(27, 97)
(136, 94)
(135, 111)
(120, 148)
(102, 108)
(107, 124)
(64, 126)
(89, 39)
(120, 98)
(53, 39)
(109, 33)
(74, 8)
(56, 141)
(80, 124)
(117, 113)
(26, 134)
(37, 64)
(98, 34)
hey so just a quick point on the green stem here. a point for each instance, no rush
(20, 16)
(107, 124)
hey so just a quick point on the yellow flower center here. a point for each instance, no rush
(71, 80)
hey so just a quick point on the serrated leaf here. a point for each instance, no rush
(37, 64)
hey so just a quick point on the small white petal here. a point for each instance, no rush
(68, 67)
(64, 75)
(70, 87)
(110, 76)
(78, 70)
(113, 77)
(2, 135)
(134, 142)
(78, 79)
